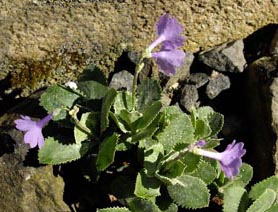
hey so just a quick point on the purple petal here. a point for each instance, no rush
(169, 60)
(31, 136)
(170, 29)
(24, 124)
(41, 123)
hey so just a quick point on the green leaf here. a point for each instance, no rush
(92, 89)
(122, 102)
(142, 205)
(148, 92)
(105, 108)
(146, 187)
(178, 129)
(245, 175)
(264, 202)
(189, 192)
(89, 120)
(148, 116)
(273, 208)
(120, 124)
(55, 153)
(172, 169)
(216, 122)
(128, 117)
(232, 198)
(152, 156)
(203, 112)
(202, 129)
(172, 208)
(259, 188)
(106, 152)
(191, 160)
(92, 73)
(205, 171)
(115, 209)
(57, 99)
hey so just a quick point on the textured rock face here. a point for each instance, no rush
(26, 188)
(48, 41)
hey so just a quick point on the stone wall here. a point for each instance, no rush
(47, 41)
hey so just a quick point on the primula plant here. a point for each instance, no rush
(158, 157)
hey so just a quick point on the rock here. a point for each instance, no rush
(273, 49)
(262, 98)
(217, 83)
(49, 41)
(189, 97)
(122, 79)
(198, 79)
(27, 188)
(227, 57)
(181, 74)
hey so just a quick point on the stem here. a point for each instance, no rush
(73, 114)
(176, 155)
(138, 69)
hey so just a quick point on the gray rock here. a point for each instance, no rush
(181, 74)
(227, 57)
(122, 79)
(198, 79)
(262, 103)
(25, 188)
(189, 97)
(217, 83)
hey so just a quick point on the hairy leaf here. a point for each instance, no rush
(259, 188)
(264, 202)
(148, 92)
(232, 198)
(152, 156)
(107, 102)
(57, 98)
(106, 152)
(148, 116)
(205, 171)
(140, 205)
(122, 102)
(146, 187)
(92, 89)
(89, 120)
(114, 209)
(189, 192)
(178, 129)
(55, 153)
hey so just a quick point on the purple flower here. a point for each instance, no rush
(230, 159)
(33, 129)
(168, 30)
(168, 60)
(169, 57)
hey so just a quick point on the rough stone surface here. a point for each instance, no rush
(27, 188)
(227, 57)
(120, 80)
(198, 79)
(273, 50)
(44, 42)
(189, 97)
(217, 83)
(262, 99)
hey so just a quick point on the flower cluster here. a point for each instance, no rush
(169, 57)
(32, 129)
(230, 159)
